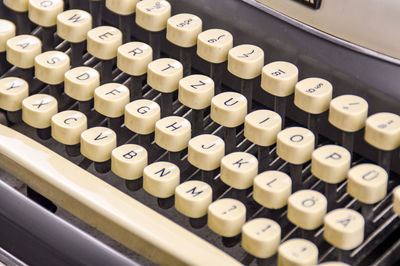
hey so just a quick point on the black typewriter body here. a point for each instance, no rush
(350, 72)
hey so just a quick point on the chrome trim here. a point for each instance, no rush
(322, 34)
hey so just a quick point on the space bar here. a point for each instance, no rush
(103, 206)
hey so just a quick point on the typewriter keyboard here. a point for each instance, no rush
(150, 128)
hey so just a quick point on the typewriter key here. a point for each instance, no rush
(125, 10)
(12, 92)
(298, 252)
(7, 31)
(20, 8)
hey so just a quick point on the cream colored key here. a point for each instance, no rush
(7, 31)
(245, 61)
(103, 42)
(344, 228)
(38, 109)
(113, 212)
(192, 198)
(172, 133)
(279, 78)
(141, 116)
(313, 95)
(272, 189)
(226, 217)
(110, 99)
(17, 5)
(50, 67)
(206, 151)
(22, 49)
(396, 200)
(44, 13)
(67, 126)
(261, 237)
(306, 209)
(164, 74)
(196, 91)
(262, 127)
(13, 91)
(367, 183)
(133, 58)
(229, 109)
(128, 161)
(160, 179)
(297, 252)
(73, 25)
(330, 163)
(348, 112)
(152, 15)
(80, 83)
(182, 29)
(382, 130)
(238, 169)
(213, 45)
(295, 145)
(124, 7)
(97, 143)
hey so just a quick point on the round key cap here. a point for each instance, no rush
(262, 126)
(330, 163)
(297, 251)
(206, 151)
(172, 133)
(196, 91)
(67, 126)
(367, 183)
(152, 15)
(80, 83)
(226, 217)
(182, 29)
(38, 109)
(313, 95)
(245, 61)
(133, 58)
(213, 45)
(22, 50)
(13, 91)
(272, 189)
(192, 198)
(279, 78)
(97, 143)
(7, 31)
(73, 25)
(17, 5)
(51, 66)
(124, 7)
(128, 161)
(110, 99)
(141, 116)
(348, 112)
(382, 130)
(103, 42)
(396, 200)
(164, 74)
(295, 145)
(44, 13)
(306, 209)
(229, 109)
(160, 179)
(261, 237)
(238, 169)
(344, 228)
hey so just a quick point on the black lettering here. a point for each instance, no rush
(53, 60)
(278, 72)
(266, 119)
(173, 126)
(144, 109)
(296, 138)
(231, 104)
(162, 171)
(309, 202)
(13, 86)
(113, 92)
(194, 192)
(345, 221)
(272, 181)
(46, 3)
(168, 67)
(194, 86)
(100, 137)
(130, 155)
(75, 18)
(334, 156)
(24, 45)
(370, 175)
(83, 76)
(206, 148)
(135, 51)
(213, 40)
(42, 102)
(245, 55)
(66, 121)
(105, 35)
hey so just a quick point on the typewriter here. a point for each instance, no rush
(254, 132)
